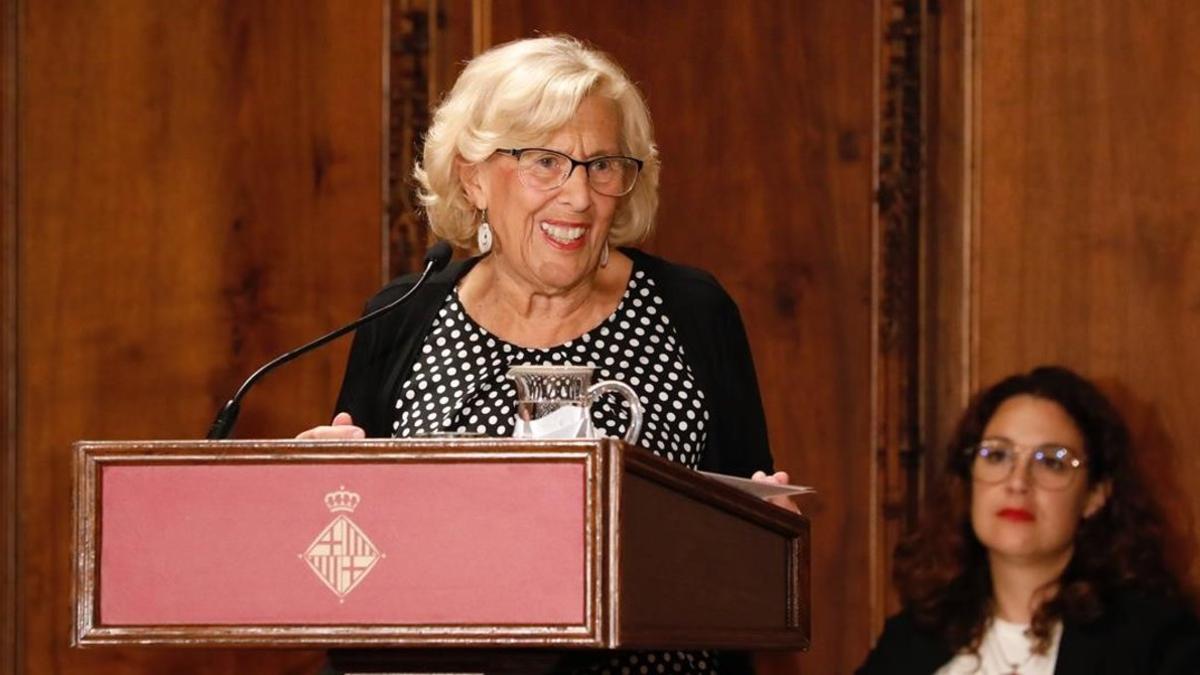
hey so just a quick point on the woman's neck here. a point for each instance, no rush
(1020, 586)
(524, 314)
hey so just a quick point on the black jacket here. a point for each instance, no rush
(1136, 635)
(707, 324)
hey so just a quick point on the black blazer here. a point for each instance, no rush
(1137, 635)
(707, 325)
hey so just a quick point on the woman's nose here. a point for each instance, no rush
(576, 192)
(1019, 478)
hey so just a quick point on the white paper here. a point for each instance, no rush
(759, 488)
(569, 421)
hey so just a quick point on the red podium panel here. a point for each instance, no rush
(429, 543)
(264, 544)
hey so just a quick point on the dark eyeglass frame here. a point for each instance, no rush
(586, 164)
(1074, 463)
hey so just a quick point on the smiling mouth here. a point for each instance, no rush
(563, 234)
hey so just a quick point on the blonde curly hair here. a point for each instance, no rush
(515, 95)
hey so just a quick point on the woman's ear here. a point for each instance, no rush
(472, 177)
(1097, 498)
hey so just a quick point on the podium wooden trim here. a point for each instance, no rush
(634, 500)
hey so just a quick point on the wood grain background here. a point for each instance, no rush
(189, 188)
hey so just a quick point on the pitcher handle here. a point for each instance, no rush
(635, 405)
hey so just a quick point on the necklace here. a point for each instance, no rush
(1014, 667)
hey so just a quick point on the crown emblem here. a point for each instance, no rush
(342, 500)
(342, 554)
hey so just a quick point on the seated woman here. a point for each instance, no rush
(1046, 554)
(542, 161)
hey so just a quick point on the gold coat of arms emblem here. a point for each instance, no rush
(342, 554)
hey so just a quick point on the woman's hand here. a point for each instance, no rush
(341, 428)
(779, 478)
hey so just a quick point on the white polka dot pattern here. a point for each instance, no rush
(458, 382)
(654, 663)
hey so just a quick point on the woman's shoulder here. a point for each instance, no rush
(1146, 613)
(1137, 632)
(1147, 608)
(688, 284)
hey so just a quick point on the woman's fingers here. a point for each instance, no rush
(330, 432)
(778, 478)
(341, 428)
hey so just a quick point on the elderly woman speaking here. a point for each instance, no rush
(541, 159)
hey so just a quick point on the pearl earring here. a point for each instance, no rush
(483, 235)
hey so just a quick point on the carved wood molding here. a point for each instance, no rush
(899, 202)
(412, 28)
(897, 307)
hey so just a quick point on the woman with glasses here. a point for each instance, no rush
(1045, 554)
(542, 163)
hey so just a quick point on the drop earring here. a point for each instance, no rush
(483, 235)
(604, 255)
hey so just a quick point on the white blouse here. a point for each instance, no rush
(1006, 650)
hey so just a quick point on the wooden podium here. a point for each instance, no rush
(462, 546)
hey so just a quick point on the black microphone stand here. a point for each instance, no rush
(435, 259)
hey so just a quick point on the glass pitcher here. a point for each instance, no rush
(556, 402)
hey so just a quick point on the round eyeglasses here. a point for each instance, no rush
(542, 169)
(1052, 467)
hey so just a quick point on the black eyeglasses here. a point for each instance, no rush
(1052, 467)
(542, 169)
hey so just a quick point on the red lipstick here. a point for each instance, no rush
(1019, 515)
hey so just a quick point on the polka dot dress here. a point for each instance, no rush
(459, 384)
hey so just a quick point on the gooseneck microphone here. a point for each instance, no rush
(436, 258)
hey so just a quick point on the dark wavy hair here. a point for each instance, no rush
(941, 571)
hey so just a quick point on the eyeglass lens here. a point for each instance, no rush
(1050, 466)
(546, 170)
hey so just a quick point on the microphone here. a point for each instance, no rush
(436, 258)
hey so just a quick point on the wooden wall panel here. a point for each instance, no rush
(1075, 205)
(8, 337)
(764, 113)
(200, 189)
